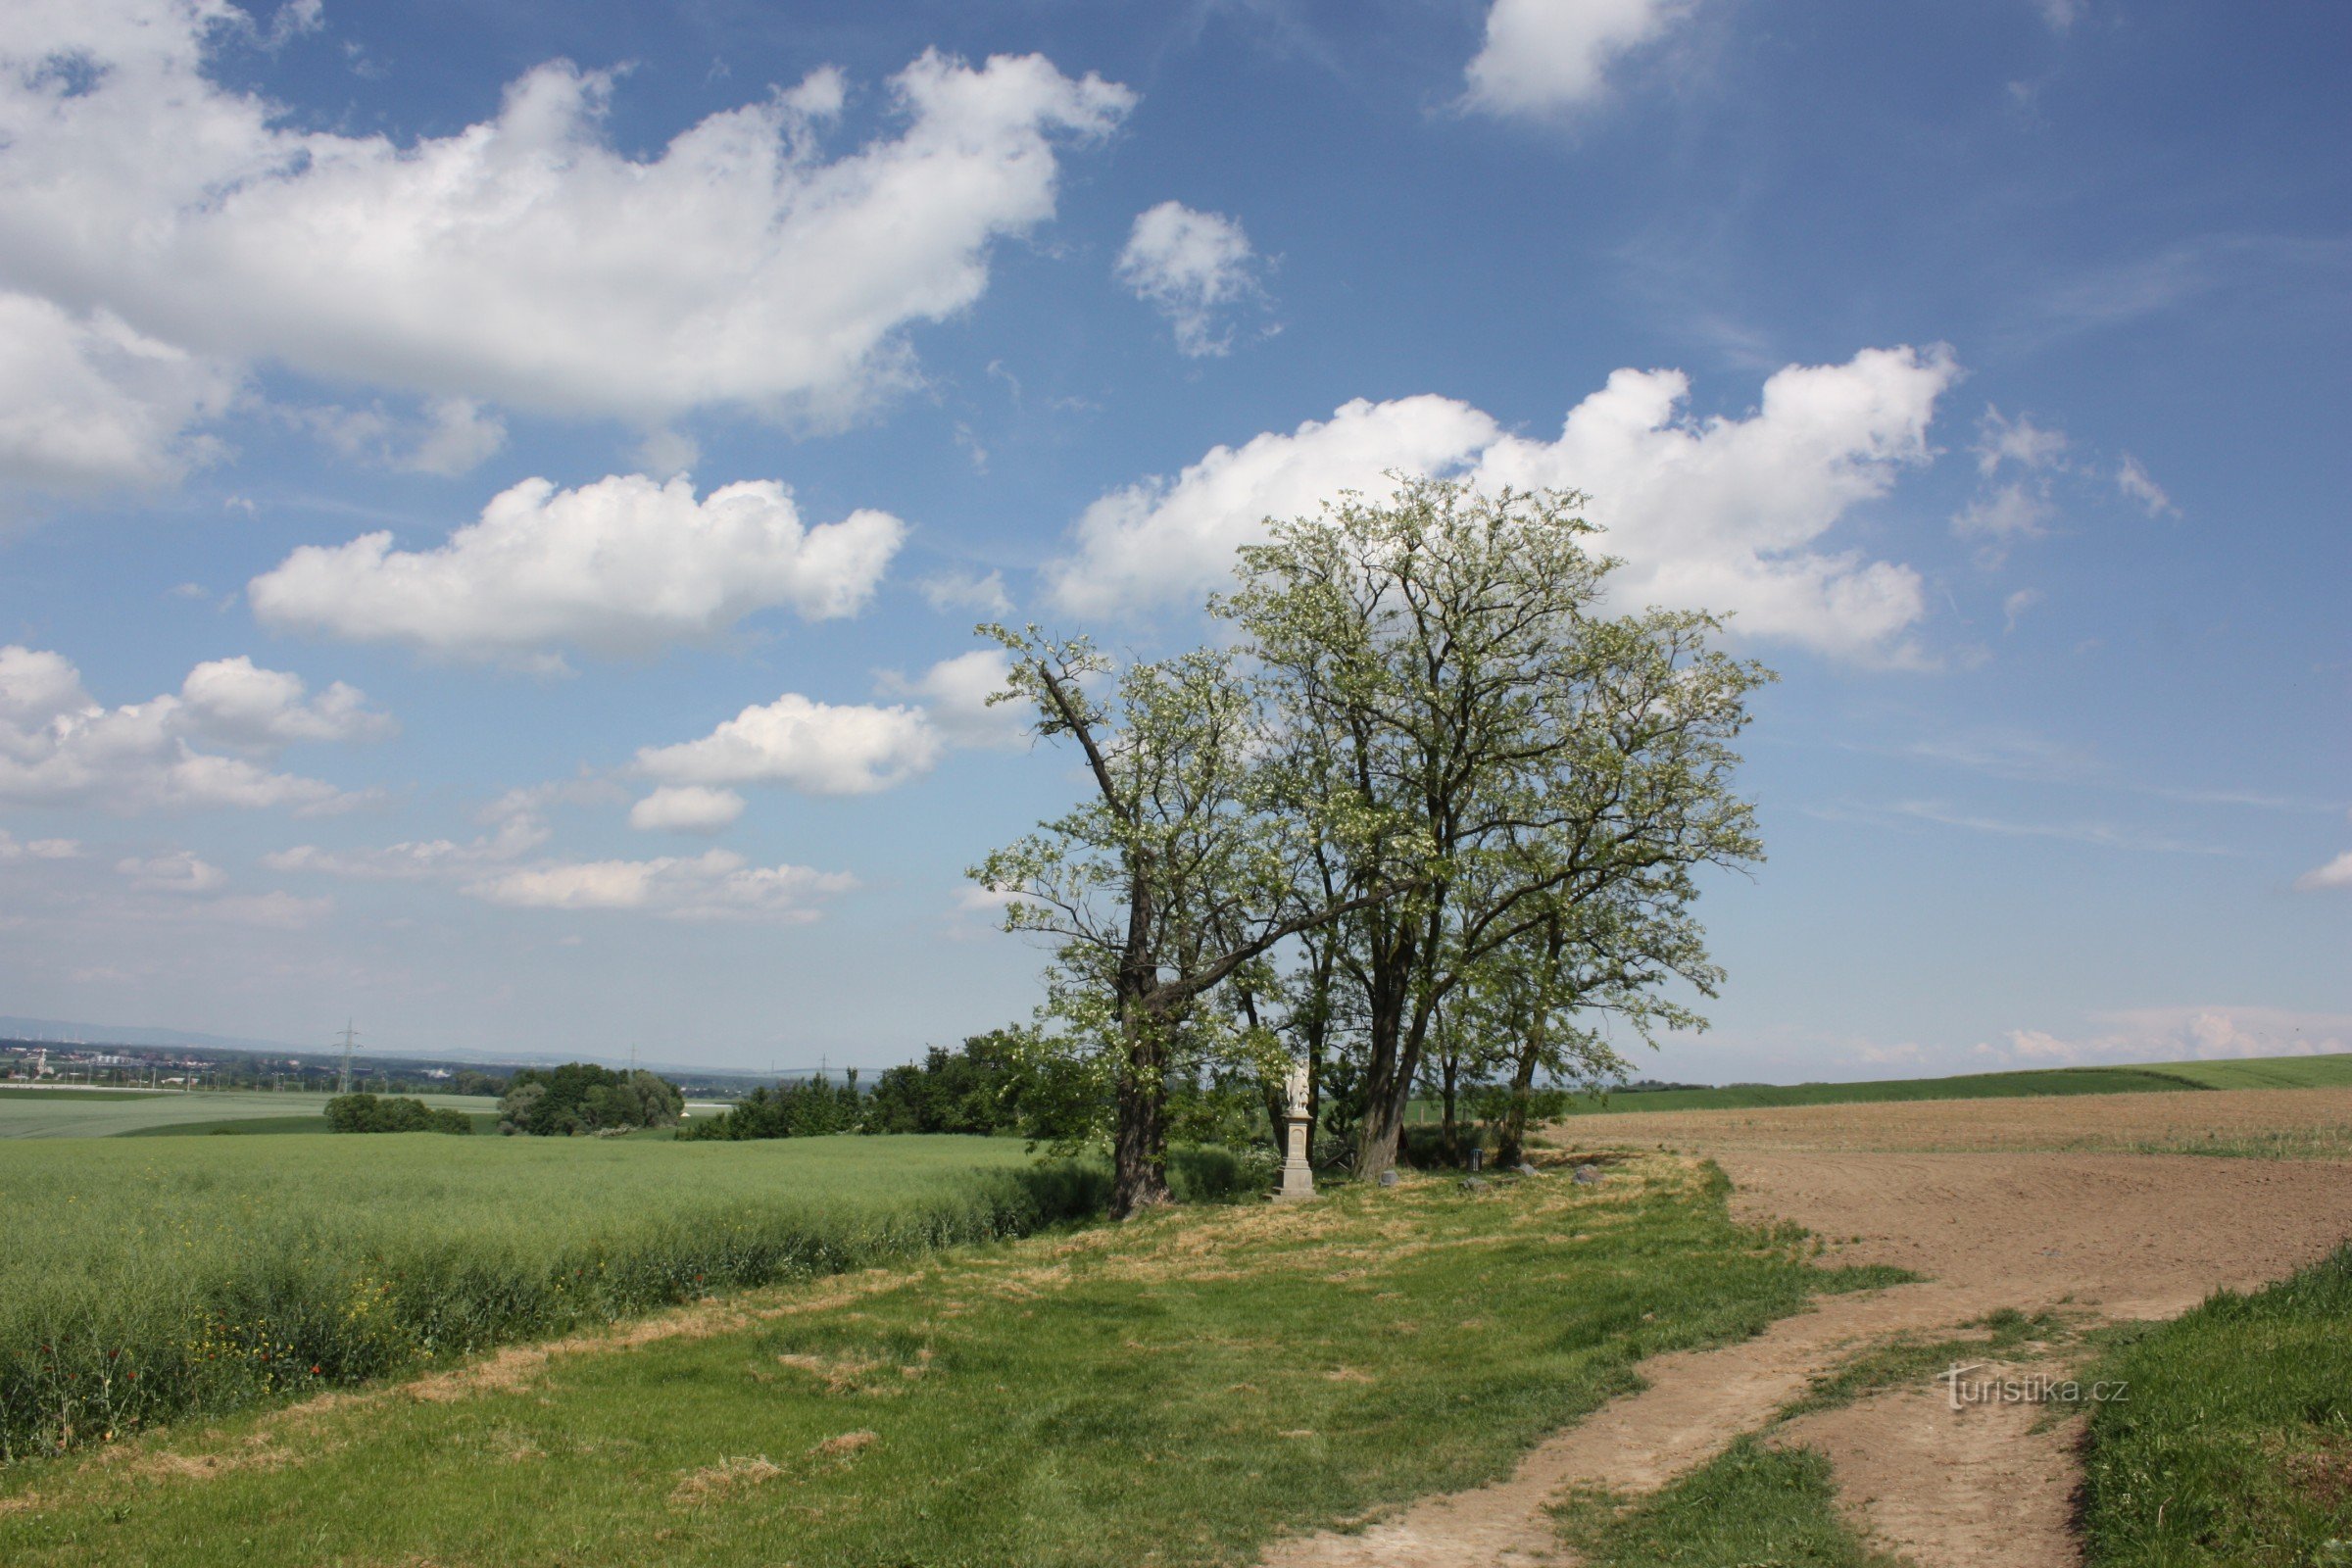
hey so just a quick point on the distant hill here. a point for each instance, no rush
(2251, 1072)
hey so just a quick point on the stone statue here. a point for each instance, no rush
(1297, 1177)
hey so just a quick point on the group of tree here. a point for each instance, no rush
(581, 1098)
(378, 1113)
(993, 1084)
(1429, 814)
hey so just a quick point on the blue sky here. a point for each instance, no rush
(493, 499)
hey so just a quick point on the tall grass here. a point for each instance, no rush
(2232, 1444)
(144, 1281)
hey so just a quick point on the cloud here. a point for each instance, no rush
(967, 590)
(2021, 441)
(2336, 875)
(1544, 57)
(450, 437)
(1192, 267)
(88, 405)
(2060, 16)
(715, 886)
(236, 701)
(815, 748)
(58, 747)
(2009, 514)
(619, 566)
(12, 848)
(523, 260)
(1721, 513)
(2178, 1034)
(2014, 608)
(954, 694)
(177, 873)
(1172, 539)
(2134, 481)
(686, 808)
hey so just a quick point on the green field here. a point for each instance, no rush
(1175, 1391)
(2261, 1072)
(144, 1278)
(109, 1112)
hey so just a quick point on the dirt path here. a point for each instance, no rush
(1984, 1486)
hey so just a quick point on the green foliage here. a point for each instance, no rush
(582, 1097)
(144, 1281)
(2234, 1442)
(371, 1113)
(1749, 1507)
(109, 1115)
(1178, 1392)
(810, 1108)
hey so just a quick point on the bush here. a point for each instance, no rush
(372, 1113)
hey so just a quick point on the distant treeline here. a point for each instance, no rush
(987, 1086)
(376, 1113)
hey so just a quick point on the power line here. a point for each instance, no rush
(350, 1038)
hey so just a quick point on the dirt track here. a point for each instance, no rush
(2108, 1235)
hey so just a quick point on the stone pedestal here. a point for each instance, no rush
(1297, 1183)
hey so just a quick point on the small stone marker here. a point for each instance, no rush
(1389, 1178)
(1586, 1175)
(1474, 1183)
(1298, 1176)
(1525, 1169)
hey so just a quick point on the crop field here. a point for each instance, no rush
(144, 1278)
(2270, 1072)
(1181, 1389)
(109, 1112)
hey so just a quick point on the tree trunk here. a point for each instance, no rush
(1140, 1142)
(1450, 1137)
(1531, 1051)
(1386, 1090)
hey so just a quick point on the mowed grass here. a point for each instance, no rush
(142, 1280)
(2270, 1072)
(108, 1113)
(2234, 1444)
(1175, 1391)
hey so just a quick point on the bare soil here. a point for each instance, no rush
(1993, 1225)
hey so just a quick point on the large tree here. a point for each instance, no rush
(1171, 877)
(1485, 749)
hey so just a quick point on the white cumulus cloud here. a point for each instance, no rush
(179, 871)
(1722, 513)
(715, 886)
(88, 405)
(954, 693)
(1170, 539)
(815, 748)
(524, 260)
(2134, 481)
(1542, 57)
(1194, 267)
(619, 566)
(59, 747)
(686, 808)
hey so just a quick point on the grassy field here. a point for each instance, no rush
(141, 1279)
(2235, 1444)
(1171, 1391)
(2266, 1072)
(108, 1112)
(1751, 1506)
